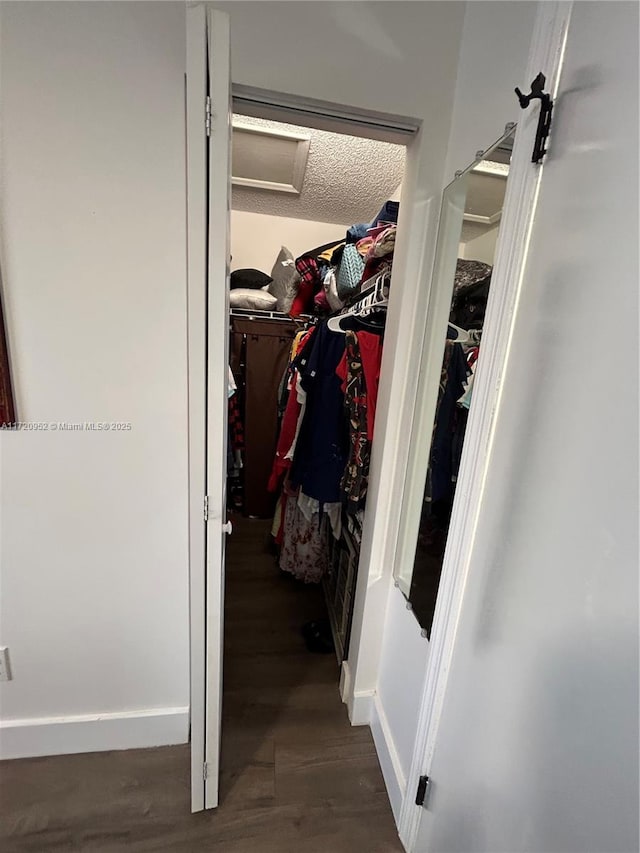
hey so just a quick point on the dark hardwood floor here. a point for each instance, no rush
(296, 777)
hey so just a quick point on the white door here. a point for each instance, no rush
(537, 748)
(209, 181)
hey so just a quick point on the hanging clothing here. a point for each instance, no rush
(356, 474)
(236, 429)
(290, 425)
(359, 372)
(303, 552)
(322, 446)
(370, 346)
(472, 360)
(310, 507)
(231, 384)
(452, 383)
(259, 355)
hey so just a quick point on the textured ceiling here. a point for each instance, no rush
(347, 179)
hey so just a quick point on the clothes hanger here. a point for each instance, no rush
(371, 298)
(462, 336)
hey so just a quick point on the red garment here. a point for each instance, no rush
(371, 355)
(236, 427)
(370, 346)
(303, 301)
(288, 427)
(287, 434)
(307, 268)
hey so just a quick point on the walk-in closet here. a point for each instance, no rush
(313, 228)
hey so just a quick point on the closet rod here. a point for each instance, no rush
(259, 314)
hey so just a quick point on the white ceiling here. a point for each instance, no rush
(485, 198)
(346, 181)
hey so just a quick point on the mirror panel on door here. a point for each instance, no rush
(467, 239)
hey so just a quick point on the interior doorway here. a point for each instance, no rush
(210, 210)
(313, 217)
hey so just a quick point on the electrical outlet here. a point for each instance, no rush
(5, 666)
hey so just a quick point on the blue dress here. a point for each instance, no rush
(323, 443)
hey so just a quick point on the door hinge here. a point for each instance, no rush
(423, 789)
(205, 771)
(206, 507)
(207, 116)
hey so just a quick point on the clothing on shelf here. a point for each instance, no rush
(470, 294)
(330, 272)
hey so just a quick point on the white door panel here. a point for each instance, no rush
(208, 180)
(197, 195)
(217, 384)
(537, 748)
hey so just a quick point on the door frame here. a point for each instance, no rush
(546, 52)
(406, 317)
(410, 317)
(412, 262)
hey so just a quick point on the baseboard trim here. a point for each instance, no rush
(360, 707)
(394, 777)
(93, 732)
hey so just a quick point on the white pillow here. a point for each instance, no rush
(246, 297)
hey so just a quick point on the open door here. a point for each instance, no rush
(208, 115)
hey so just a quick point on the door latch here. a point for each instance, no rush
(544, 119)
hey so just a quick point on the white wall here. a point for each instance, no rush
(481, 248)
(494, 51)
(94, 567)
(334, 51)
(492, 63)
(256, 238)
(94, 525)
(538, 745)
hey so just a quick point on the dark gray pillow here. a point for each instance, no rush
(285, 280)
(253, 279)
